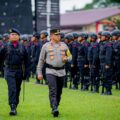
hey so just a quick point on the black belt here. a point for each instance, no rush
(56, 68)
(14, 67)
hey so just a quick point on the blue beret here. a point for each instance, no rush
(69, 37)
(36, 35)
(93, 35)
(44, 32)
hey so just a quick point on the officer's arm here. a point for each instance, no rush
(41, 61)
(108, 58)
(26, 65)
(95, 55)
(3, 50)
(86, 54)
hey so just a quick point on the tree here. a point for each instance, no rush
(102, 3)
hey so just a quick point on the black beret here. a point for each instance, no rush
(14, 30)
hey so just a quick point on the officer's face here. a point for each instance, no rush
(32, 39)
(103, 38)
(42, 36)
(80, 39)
(99, 36)
(14, 37)
(56, 38)
(90, 38)
(114, 37)
(66, 41)
(118, 38)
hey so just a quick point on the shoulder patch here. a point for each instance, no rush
(94, 46)
(109, 45)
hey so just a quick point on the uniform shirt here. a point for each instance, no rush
(93, 53)
(106, 53)
(53, 54)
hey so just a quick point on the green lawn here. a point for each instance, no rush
(75, 105)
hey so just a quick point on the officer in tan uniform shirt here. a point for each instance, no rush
(55, 54)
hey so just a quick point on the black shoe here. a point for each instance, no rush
(13, 111)
(109, 93)
(74, 87)
(55, 112)
(27, 80)
(37, 82)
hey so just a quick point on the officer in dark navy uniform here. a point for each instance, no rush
(16, 62)
(116, 46)
(106, 62)
(1, 61)
(93, 58)
(5, 38)
(68, 77)
(81, 60)
(74, 68)
(26, 43)
(35, 51)
(62, 34)
(43, 40)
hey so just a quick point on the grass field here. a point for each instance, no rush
(75, 105)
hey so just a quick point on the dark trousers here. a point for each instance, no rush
(74, 76)
(55, 85)
(14, 80)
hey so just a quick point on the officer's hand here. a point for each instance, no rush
(65, 59)
(85, 66)
(94, 66)
(107, 66)
(72, 65)
(40, 77)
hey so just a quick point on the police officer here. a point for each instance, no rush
(74, 68)
(43, 40)
(106, 62)
(68, 77)
(26, 43)
(99, 36)
(116, 46)
(93, 58)
(5, 38)
(62, 34)
(35, 51)
(1, 60)
(82, 60)
(55, 54)
(15, 57)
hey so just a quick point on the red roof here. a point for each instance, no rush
(85, 17)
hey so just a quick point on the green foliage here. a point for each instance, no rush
(118, 23)
(116, 1)
(102, 3)
(75, 105)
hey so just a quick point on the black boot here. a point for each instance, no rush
(75, 87)
(55, 111)
(96, 89)
(109, 91)
(37, 82)
(13, 110)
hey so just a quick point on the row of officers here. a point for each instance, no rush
(88, 60)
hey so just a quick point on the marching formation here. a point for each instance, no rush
(76, 60)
